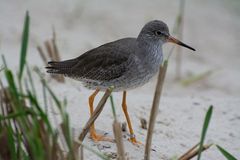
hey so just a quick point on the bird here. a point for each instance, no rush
(125, 64)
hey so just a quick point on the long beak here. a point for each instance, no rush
(176, 41)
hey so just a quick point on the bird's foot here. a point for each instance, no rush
(98, 137)
(134, 141)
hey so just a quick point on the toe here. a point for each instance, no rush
(135, 142)
(98, 137)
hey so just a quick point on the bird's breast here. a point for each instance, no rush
(145, 67)
(151, 59)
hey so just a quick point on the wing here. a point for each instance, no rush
(107, 62)
(100, 66)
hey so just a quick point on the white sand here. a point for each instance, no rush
(213, 28)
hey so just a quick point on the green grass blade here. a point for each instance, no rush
(15, 115)
(113, 106)
(204, 130)
(24, 45)
(52, 94)
(64, 115)
(4, 61)
(11, 83)
(45, 99)
(11, 142)
(31, 81)
(40, 112)
(226, 154)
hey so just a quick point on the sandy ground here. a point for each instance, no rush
(213, 28)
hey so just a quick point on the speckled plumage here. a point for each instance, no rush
(125, 64)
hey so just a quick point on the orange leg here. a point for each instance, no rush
(93, 134)
(124, 107)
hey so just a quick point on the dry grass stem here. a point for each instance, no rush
(52, 53)
(54, 45)
(87, 126)
(96, 113)
(189, 151)
(143, 123)
(118, 138)
(40, 51)
(124, 126)
(180, 23)
(193, 152)
(154, 110)
(49, 48)
(5, 152)
(81, 157)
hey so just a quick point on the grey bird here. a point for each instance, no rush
(124, 64)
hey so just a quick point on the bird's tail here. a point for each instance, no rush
(62, 67)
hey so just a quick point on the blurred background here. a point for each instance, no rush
(211, 75)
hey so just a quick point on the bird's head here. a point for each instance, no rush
(158, 31)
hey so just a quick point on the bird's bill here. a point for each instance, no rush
(176, 41)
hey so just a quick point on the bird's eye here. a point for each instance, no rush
(157, 33)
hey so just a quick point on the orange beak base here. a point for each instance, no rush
(176, 41)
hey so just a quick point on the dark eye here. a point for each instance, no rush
(158, 33)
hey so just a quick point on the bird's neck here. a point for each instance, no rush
(149, 42)
(150, 46)
(151, 50)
